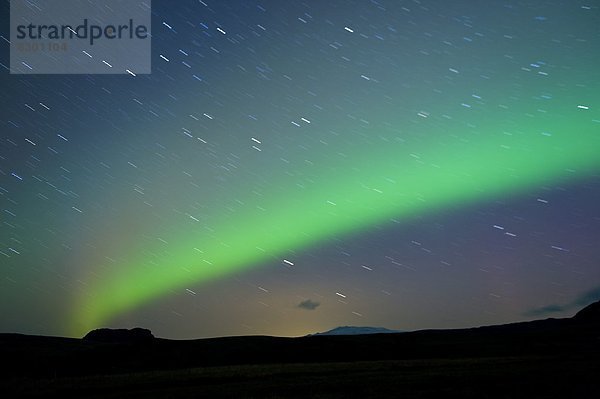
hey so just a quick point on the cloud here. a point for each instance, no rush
(588, 297)
(308, 305)
(582, 300)
(546, 310)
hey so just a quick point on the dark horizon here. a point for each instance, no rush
(545, 358)
(591, 308)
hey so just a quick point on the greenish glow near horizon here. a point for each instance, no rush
(376, 185)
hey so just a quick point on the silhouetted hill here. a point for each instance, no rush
(590, 313)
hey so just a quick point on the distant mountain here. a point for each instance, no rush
(351, 330)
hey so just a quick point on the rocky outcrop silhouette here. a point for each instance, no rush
(119, 335)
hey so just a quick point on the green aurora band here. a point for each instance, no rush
(368, 186)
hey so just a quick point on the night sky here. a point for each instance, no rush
(293, 166)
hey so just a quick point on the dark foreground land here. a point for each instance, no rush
(541, 359)
(433, 378)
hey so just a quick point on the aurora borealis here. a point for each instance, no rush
(401, 164)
